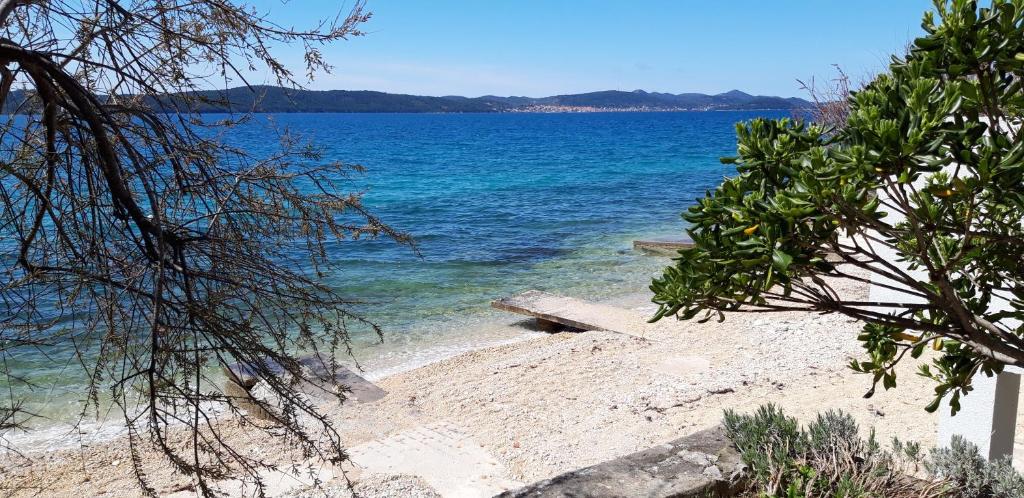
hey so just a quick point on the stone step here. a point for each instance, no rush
(701, 464)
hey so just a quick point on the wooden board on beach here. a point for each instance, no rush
(571, 312)
(662, 246)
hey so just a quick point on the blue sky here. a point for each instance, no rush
(538, 47)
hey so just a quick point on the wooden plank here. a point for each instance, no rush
(571, 312)
(662, 246)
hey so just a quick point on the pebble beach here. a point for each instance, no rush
(547, 404)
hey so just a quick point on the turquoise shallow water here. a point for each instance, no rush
(497, 203)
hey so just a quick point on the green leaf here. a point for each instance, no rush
(797, 191)
(781, 260)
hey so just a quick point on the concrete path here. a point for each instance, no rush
(445, 458)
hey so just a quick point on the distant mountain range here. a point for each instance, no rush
(278, 99)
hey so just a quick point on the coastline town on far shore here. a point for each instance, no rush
(557, 109)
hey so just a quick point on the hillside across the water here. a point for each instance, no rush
(278, 99)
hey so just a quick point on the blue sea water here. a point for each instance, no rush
(500, 203)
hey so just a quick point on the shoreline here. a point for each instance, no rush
(403, 349)
(549, 403)
(62, 435)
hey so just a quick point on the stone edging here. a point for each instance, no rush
(701, 464)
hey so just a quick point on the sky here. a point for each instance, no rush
(548, 47)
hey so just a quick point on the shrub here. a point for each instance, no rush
(829, 458)
(968, 474)
(920, 192)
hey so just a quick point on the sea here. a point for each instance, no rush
(496, 204)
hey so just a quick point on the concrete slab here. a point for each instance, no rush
(361, 389)
(246, 376)
(699, 465)
(445, 458)
(321, 388)
(572, 312)
(663, 247)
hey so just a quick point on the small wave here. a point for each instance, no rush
(60, 437)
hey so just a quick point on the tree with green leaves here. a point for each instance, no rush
(920, 193)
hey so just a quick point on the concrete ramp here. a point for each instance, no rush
(552, 310)
(449, 461)
(320, 384)
(319, 366)
(325, 380)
